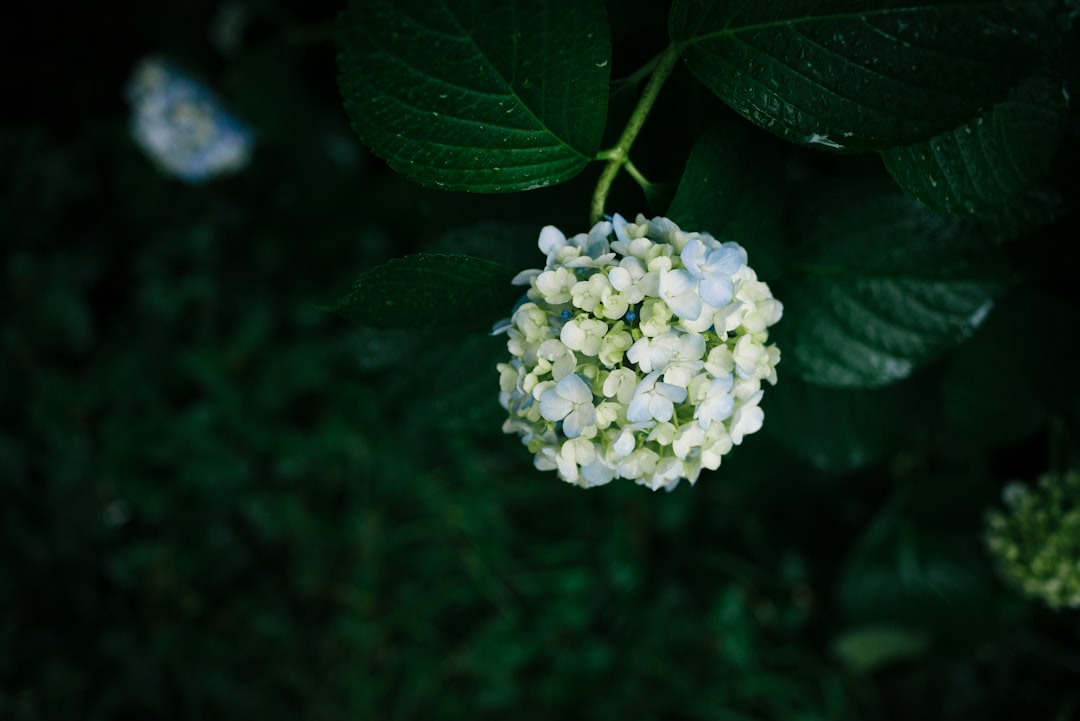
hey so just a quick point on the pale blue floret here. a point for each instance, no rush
(654, 399)
(596, 243)
(183, 126)
(714, 269)
(520, 401)
(618, 223)
(679, 289)
(570, 401)
(718, 404)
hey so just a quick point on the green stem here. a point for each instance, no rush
(619, 155)
(634, 173)
(640, 74)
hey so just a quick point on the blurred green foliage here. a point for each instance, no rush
(219, 501)
(1036, 539)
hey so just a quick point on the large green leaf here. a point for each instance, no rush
(991, 160)
(478, 95)
(884, 286)
(431, 290)
(730, 189)
(845, 74)
(839, 429)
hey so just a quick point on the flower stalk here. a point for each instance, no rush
(618, 156)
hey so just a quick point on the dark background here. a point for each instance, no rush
(218, 501)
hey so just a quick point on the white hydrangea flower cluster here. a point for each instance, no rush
(640, 357)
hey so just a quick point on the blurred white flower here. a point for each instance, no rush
(182, 126)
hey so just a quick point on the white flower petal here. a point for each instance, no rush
(680, 374)
(686, 306)
(691, 347)
(650, 284)
(551, 238)
(679, 290)
(568, 470)
(687, 439)
(573, 335)
(563, 366)
(525, 277)
(573, 424)
(574, 389)
(619, 225)
(545, 459)
(717, 290)
(637, 353)
(553, 406)
(624, 444)
(727, 259)
(748, 419)
(615, 385)
(661, 408)
(722, 383)
(619, 278)
(673, 392)
(690, 254)
(638, 410)
(676, 282)
(596, 474)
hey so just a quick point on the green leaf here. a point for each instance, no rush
(512, 244)
(1035, 210)
(730, 189)
(920, 563)
(865, 649)
(992, 160)
(466, 398)
(838, 429)
(430, 290)
(990, 394)
(885, 286)
(858, 76)
(478, 95)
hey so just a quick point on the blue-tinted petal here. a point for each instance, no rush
(717, 290)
